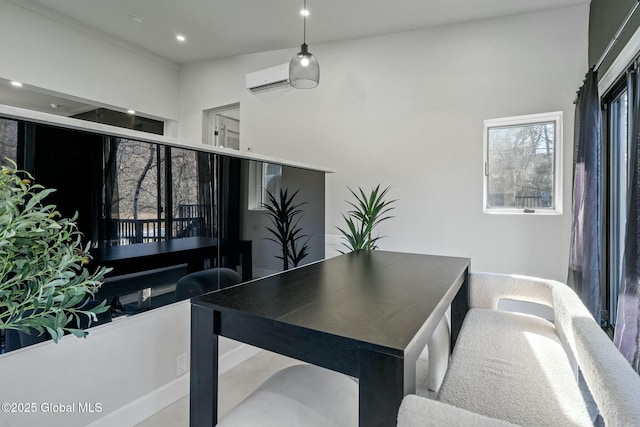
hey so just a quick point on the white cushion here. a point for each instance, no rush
(417, 411)
(299, 396)
(513, 367)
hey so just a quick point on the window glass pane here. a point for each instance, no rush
(263, 178)
(618, 149)
(520, 166)
(138, 216)
(190, 215)
(271, 178)
(8, 140)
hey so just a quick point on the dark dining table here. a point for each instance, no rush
(366, 314)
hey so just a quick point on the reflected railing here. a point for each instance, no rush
(130, 231)
(191, 221)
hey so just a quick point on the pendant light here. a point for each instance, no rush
(304, 72)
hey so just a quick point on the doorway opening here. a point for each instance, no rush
(221, 126)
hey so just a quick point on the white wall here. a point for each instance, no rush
(63, 58)
(128, 366)
(407, 110)
(117, 364)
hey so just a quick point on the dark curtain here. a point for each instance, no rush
(586, 232)
(627, 336)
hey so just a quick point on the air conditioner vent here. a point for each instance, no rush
(269, 78)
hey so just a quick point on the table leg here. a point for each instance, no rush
(203, 405)
(384, 381)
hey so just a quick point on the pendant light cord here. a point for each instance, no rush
(304, 25)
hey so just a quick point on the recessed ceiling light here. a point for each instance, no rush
(54, 106)
(16, 84)
(304, 12)
(181, 38)
(136, 18)
(131, 111)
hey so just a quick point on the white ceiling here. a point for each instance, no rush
(222, 28)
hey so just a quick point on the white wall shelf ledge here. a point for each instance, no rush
(9, 112)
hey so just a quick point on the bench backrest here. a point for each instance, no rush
(613, 383)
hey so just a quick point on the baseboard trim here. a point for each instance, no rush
(142, 408)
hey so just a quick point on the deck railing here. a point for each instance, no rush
(190, 222)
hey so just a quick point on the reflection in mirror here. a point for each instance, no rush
(172, 222)
(132, 199)
(165, 211)
(8, 140)
(260, 179)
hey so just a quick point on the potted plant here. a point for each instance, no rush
(285, 216)
(367, 213)
(44, 282)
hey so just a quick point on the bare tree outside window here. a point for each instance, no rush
(188, 214)
(522, 164)
(8, 140)
(141, 208)
(137, 174)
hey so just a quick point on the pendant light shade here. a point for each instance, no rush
(304, 71)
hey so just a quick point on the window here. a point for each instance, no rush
(523, 165)
(154, 192)
(8, 140)
(139, 183)
(617, 132)
(263, 177)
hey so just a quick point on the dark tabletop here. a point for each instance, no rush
(377, 298)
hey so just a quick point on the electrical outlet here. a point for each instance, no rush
(182, 364)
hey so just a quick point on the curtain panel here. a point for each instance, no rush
(585, 260)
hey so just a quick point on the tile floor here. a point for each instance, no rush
(234, 386)
(241, 381)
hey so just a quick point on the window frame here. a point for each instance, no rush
(557, 118)
(257, 194)
(609, 291)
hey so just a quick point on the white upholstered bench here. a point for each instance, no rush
(520, 369)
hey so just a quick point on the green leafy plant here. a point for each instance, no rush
(367, 213)
(43, 278)
(285, 215)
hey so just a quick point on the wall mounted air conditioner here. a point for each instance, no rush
(268, 78)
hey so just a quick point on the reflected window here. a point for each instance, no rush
(264, 178)
(192, 202)
(8, 140)
(132, 184)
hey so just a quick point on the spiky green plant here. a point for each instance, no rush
(285, 215)
(367, 213)
(43, 278)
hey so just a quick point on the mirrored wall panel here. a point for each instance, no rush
(171, 222)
